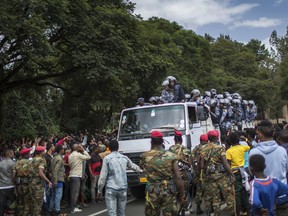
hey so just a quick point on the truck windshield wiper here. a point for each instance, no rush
(167, 128)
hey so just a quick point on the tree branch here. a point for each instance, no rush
(51, 84)
(3, 41)
(13, 72)
(33, 80)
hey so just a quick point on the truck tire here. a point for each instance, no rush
(138, 191)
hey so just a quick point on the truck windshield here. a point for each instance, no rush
(142, 121)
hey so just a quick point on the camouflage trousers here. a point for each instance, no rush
(36, 189)
(218, 189)
(199, 192)
(23, 199)
(158, 197)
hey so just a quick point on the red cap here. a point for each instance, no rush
(24, 151)
(40, 148)
(214, 133)
(178, 133)
(204, 137)
(156, 134)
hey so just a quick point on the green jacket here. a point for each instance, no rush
(58, 169)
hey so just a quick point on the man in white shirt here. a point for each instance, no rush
(75, 160)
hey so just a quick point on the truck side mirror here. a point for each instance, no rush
(201, 113)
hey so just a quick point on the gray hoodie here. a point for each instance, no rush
(276, 159)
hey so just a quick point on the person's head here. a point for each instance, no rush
(213, 136)
(113, 145)
(283, 137)
(277, 129)
(156, 138)
(165, 85)
(234, 138)
(40, 151)
(195, 93)
(265, 130)
(257, 164)
(203, 139)
(251, 133)
(50, 147)
(74, 146)
(8, 153)
(178, 137)
(59, 149)
(25, 152)
(140, 101)
(213, 92)
(172, 81)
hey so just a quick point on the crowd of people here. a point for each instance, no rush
(227, 110)
(247, 171)
(43, 177)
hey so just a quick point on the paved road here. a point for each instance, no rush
(134, 207)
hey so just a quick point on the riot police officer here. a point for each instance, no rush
(179, 95)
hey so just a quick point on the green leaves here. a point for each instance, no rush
(86, 60)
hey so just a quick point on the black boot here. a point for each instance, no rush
(199, 210)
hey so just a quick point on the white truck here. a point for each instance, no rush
(137, 123)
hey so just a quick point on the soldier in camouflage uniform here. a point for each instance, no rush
(184, 160)
(37, 178)
(21, 174)
(160, 168)
(195, 155)
(218, 176)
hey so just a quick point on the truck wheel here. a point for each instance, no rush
(138, 191)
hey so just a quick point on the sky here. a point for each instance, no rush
(242, 20)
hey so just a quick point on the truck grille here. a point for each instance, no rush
(134, 157)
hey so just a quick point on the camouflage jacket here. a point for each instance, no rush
(214, 152)
(196, 152)
(157, 165)
(21, 168)
(36, 163)
(181, 152)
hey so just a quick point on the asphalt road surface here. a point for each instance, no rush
(134, 207)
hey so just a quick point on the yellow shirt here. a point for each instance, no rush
(235, 154)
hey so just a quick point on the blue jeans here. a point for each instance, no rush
(48, 194)
(115, 201)
(55, 200)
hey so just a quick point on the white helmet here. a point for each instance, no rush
(195, 92)
(165, 83)
(171, 78)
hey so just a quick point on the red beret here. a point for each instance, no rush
(214, 133)
(156, 134)
(178, 133)
(40, 148)
(24, 151)
(204, 137)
